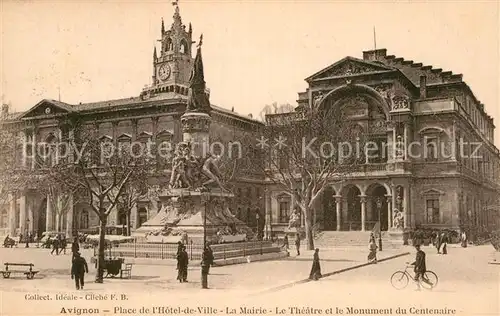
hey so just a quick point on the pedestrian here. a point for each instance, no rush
(75, 247)
(78, 269)
(182, 265)
(444, 243)
(419, 267)
(438, 242)
(372, 256)
(64, 244)
(372, 237)
(316, 267)
(55, 246)
(297, 244)
(463, 238)
(207, 260)
(179, 247)
(286, 244)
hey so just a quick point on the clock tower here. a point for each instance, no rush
(172, 65)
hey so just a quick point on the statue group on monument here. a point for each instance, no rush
(188, 170)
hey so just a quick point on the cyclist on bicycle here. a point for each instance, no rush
(420, 268)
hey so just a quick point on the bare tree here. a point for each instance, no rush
(304, 152)
(101, 172)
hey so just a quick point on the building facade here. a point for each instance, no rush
(432, 180)
(153, 115)
(439, 167)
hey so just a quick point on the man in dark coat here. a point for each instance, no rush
(182, 265)
(207, 259)
(419, 266)
(64, 244)
(316, 268)
(55, 245)
(78, 269)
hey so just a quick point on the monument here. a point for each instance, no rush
(196, 201)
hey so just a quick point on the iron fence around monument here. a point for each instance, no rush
(194, 250)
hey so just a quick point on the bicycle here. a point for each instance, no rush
(400, 279)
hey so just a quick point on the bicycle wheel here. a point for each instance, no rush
(399, 280)
(429, 280)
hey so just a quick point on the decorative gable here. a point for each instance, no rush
(47, 108)
(432, 192)
(347, 67)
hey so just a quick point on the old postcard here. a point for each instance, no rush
(249, 157)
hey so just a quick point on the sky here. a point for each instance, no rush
(254, 52)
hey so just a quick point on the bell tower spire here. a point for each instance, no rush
(173, 62)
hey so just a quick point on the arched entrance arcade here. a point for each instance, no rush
(378, 201)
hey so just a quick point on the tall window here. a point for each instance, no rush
(432, 207)
(84, 219)
(284, 210)
(142, 216)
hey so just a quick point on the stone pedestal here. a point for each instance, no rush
(195, 213)
(195, 128)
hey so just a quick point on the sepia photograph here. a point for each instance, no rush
(245, 157)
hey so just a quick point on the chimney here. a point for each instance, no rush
(423, 87)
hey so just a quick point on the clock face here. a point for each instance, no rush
(164, 72)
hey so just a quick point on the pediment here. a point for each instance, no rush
(432, 192)
(47, 108)
(347, 67)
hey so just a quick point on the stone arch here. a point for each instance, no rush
(353, 90)
(183, 47)
(377, 205)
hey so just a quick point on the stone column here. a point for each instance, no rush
(154, 121)
(394, 144)
(49, 215)
(268, 228)
(389, 211)
(406, 203)
(405, 138)
(31, 219)
(22, 214)
(338, 201)
(363, 212)
(114, 125)
(134, 219)
(34, 150)
(25, 149)
(393, 202)
(69, 217)
(134, 129)
(71, 139)
(12, 214)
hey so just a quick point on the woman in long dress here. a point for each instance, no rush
(444, 242)
(464, 239)
(316, 268)
(372, 256)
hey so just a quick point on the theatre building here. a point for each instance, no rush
(445, 176)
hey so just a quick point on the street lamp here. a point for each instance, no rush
(257, 217)
(379, 207)
(204, 197)
(26, 236)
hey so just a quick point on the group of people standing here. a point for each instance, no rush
(286, 243)
(440, 242)
(207, 260)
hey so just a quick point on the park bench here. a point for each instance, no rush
(30, 274)
(126, 271)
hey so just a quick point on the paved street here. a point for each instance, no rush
(467, 283)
